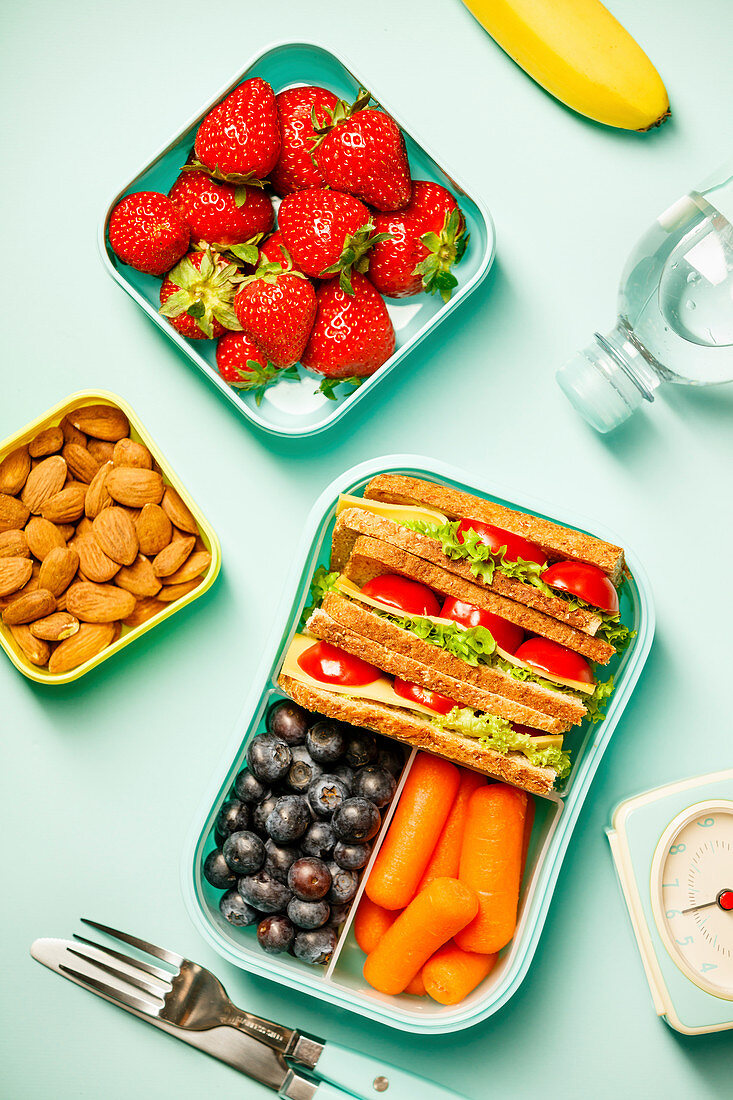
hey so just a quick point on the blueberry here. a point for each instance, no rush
(344, 885)
(275, 934)
(351, 857)
(374, 783)
(244, 852)
(261, 814)
(268, 757)
(356, 820)
(289, 819)
(339, 913)
(315, 947)
(325, 742)
(303, 770)
(326, 794)
(345, 774)
(391, 760)
(217, 872)
(236, 910)
(264, 892)
(361, 749)
(288, 721)
(309, 879)
(233, 816)
(318, 840)
(248, 788)
(279, 859)
(308, 914)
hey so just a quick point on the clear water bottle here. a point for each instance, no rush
(675, 311)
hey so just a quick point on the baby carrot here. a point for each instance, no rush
(416, 987)
(447, 853)
(370, 924)
(451, 974)
(491, 862)
(436, 914)
(421, 813)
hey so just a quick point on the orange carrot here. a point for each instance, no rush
(427, 923)
(421, 813)
(451, 974)
(370, 924)
(491, 862)
(528, 825)
(447, 853)
(416, 987)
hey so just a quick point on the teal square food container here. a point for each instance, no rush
(341, 982)
(294, 408)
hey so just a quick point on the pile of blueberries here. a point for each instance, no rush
(295, 834)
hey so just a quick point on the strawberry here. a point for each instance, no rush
(276, 307)
(362, 151)
(327, 233)
(240, 139)
(197, 296)
(244, 366)
(220, 213)
(427, 238)
(273, 250)
(297, 107)
(352, 335)
(147, 232)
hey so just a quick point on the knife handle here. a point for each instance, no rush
(369, 1078)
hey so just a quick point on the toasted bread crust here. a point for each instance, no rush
(412, 730)
(557, 542)
(358, 617)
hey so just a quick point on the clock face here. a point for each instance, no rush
(692, 894)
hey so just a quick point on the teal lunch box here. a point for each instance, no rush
(294, 408)
(341, 982)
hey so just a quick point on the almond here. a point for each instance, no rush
(13, 544)
(66, 530)
(49, 441)
(81, 462)
(178, 513)
(56, 627)
(129, 453)
(13, 513)
(134, 487)
(102, 449)
(97, 496)
(42, 536)
(15, 572)
(115, 532)
(101, 421)
(99, 603)
(34, 649)
(84, 527)
(58, 569)
(14, 470)
(89, 641)
(170, 592)
(144, 610)
(139, 578)
(72, 434)
(196, 564)
(66, 506)
(154, 529)
(93, 561)
(29, 606)
(172, 556)
(44, 480)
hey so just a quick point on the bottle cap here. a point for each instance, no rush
(599, 388)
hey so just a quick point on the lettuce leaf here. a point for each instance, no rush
(598, 699)
(483, 562)
(469, 645)
(322, 583)
(498, 734)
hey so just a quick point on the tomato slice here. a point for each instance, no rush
(331, 665)
(547, 656)
(529, 730)
(433, 700)
(405, 595)
(506, 635)
(497, 537)
(587, 581)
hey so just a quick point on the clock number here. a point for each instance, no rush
(675, 883)
(672, 913)
(677, 848)
(708, 966)
(685, 941)
(706, 823)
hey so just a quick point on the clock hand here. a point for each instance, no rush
(724, 900)
(705, 905)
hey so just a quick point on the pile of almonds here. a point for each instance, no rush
(91, 539)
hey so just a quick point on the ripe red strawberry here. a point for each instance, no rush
(273, 251)
(197, 296)
(427, 238)
(147, 232)
(276, 307)
(295, 170)
(245, 367)
(220, 213)
(241, 137)
(327, 233)
(363, 152)
(352, 335)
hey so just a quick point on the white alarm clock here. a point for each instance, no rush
(673, 850)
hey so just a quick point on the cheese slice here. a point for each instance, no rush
(398, 513)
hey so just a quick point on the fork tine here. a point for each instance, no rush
(147, 968)
(129, 979)
(142, 945)
(115, 995)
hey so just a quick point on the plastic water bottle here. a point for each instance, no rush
(675, 311)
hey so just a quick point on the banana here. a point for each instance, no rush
(580, 54)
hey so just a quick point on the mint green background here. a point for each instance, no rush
(100, 781)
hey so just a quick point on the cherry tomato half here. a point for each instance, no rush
(506, 635)
(496, 537)
(331, 665)
(409, 596)
(558, 660)
(587, 581)
(433, 700)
